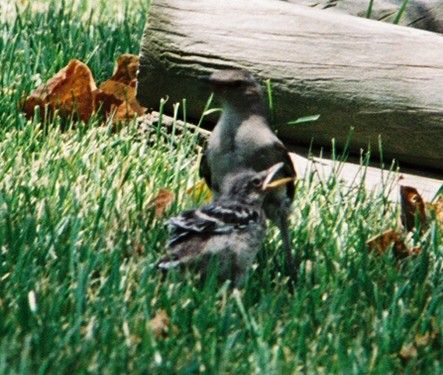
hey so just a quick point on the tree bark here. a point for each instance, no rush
(380, 79)
(420, 14)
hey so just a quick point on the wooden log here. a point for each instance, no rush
(378, 78)
(421, 14)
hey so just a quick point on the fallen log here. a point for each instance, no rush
(381, 79)
(421, 14)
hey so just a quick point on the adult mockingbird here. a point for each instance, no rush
(227, 233)
(243, 138)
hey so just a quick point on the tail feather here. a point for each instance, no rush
(168, 264)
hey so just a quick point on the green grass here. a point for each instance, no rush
(76, 233)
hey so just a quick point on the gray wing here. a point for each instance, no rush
(190, 231)
(204, 170)
(200, 223)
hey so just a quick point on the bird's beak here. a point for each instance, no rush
(269, 184)
(277, 183)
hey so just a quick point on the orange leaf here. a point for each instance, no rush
(105, 102)
(126, 70)
(412, 206)
(390, 238)
(128, 107)
(122, 86)
(70, 92)
(437, 207)
(118, 89)
(159, 324)
(162, 201)
(381, 243)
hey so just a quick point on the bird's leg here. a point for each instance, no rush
(286, 238)
(291, 264)
(278, 211)
(239, 279)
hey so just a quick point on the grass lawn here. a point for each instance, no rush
(78, 241)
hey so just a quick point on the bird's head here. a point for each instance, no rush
(235, 87)
(251, 187)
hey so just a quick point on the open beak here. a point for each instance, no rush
(279, 182)
(269, 183)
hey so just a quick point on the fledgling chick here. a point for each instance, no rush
(243, 139)
(226, 233)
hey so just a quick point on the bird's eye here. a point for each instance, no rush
(256, 182)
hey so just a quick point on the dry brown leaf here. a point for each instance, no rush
(118, 89)
(128, 107)
(382, 242)
(159, 324)
(126, 70)
(414, 251)
(412, 206)
(437, 208)
(426, 339)
(200, 190)
(408, 352)
(122, 85)
(105, 102)
(161, 202)
(139, 249)
(70, 92)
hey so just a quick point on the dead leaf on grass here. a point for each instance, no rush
(73, 92)
(122, 85)
(391, 238)
(159, 324)
(105, 102)
(425, 339)
(408, 352)
(161, 202)
(128, 108)
(412, 207)
(126, 70)
(437, 208)
(382, 242)
(70, 91)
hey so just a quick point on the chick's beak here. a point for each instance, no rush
(277, 183)
(269, 183)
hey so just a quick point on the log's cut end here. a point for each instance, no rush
(382, 80)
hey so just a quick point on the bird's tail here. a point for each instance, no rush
(174, 261)
(167, 264)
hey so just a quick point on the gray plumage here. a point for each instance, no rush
(226, 233)
(243, 138)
